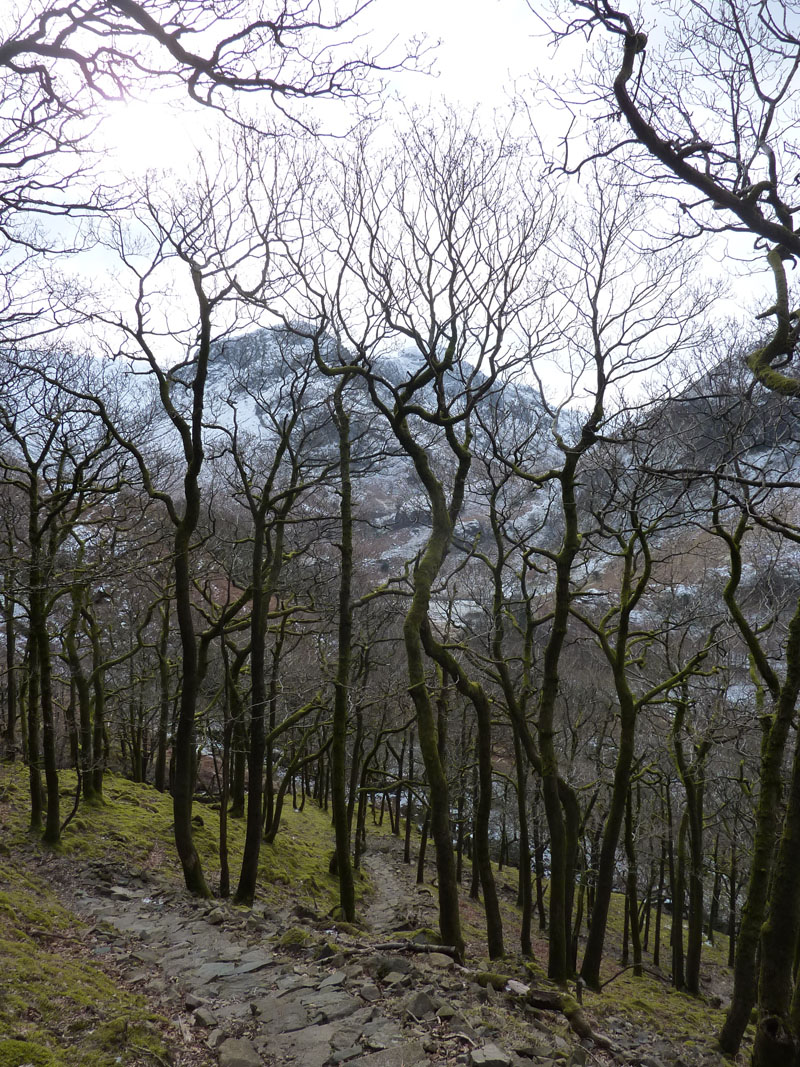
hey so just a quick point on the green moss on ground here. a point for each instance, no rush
(134, 823)
(660, 1009)
(57, 1008)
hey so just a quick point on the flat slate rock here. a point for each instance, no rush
(310, 1046)
(489, 1056)
(207, 972)
(440, 960)
(420, 1004)
(331, 1003)
(410, 1054)
(281, 1016)
(250, 966)
(123, 893)
(238, 1052)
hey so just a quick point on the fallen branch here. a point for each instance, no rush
(649, 970)
(34, 931)
(552, 1000)
(580, 1024)
(415, 946)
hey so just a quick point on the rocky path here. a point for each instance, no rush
(257, 988)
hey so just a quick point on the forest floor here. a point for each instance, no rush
(108, 961)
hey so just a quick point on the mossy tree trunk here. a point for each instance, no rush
(341, 824)
(692, 775)
(438, 790)
(481, 858)
(248, 874)
(525, 886)
(409, 800)
(733, 890)
(164, 703)
(662, 863)
(631, 888)
(716, 894)
(33, 730)
(9, 621)
(678, 907)
(778, 1031)
(98, 679)
(42, 543)
(767, 817)
(184, 746)
(272, 704)
(83, 691)
(355, 763)
(270, 507)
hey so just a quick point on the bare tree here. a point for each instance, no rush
(434, 250)
(107, 49)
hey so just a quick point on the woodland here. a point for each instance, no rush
(444, 468)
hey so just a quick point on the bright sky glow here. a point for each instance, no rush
(487, 50)
(485, 47)
(141, 136)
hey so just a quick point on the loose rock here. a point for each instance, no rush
(238, 1052)
(489, 1056)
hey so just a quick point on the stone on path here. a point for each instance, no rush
(382, 966)
(346, 1054)
(205, 1017)
(441, 961)
(238, 1052)
(489, 1056)
(257, 963)
(281, 1015)
(207, 972)
(419, 1004)
(310, 1046)
(410, 1054)
(121, 892)
(330, 1004)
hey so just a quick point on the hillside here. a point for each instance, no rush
(108, 961)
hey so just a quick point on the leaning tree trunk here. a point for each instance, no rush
(630, 887)
(483, 807)
(776, 731)
(162, 736)
(344, 869)
(525, 888)
(12, 708)
(777, 1038)
(604, 880)
(40, 638)
(184, 747)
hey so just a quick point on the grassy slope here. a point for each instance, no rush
(49, 980)
(648, 1002)
(57, 1006)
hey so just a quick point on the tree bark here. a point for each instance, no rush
(344, 868)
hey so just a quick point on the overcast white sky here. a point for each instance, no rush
(485, 45)
(486, 48)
